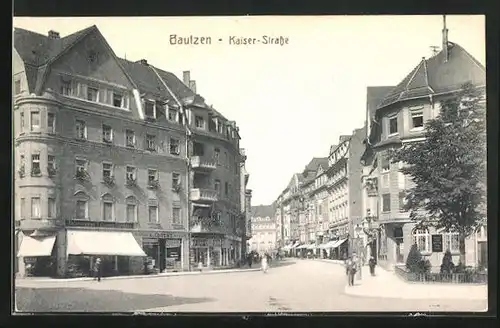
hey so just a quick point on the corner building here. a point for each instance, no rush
(101, 159)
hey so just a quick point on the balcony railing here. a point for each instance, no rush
(40, 224)
(203, 164)
(204, 195)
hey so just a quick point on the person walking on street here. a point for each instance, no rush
(351, 268)
(263, 263)
(372, 263)
(97, 269)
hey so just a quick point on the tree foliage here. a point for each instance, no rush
(448, 168)
(447, 265)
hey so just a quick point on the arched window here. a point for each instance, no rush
(422, 239)
(108, 207)
(132, 208)
(81, 205)
(451, 242)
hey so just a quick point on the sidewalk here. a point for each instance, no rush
(387, 285)
(19, 281)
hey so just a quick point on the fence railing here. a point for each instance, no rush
(468, 277)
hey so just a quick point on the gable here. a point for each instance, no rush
(90, 58)
(319, 171)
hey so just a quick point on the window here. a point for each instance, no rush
(51, 123)
(393, 125)
(117, 99)
(131, 173)
(35, 207)
(199, 122)
(92, 94)
(81, 165)
(152, 175)
(176, 215)
(35, 165)
(81, 210)
(226, 188)
(417, 119)
(172, 115)
(402, 201)
(174, 146)
(130, 138)
(451, 242)
(386, 202)
(21, 117)
(81, 129)
(22, 210)
(131, 212)
(22, 165)
(217, 155)
(107, 133)
(107, 170)
(385, 163)
(149, 109)
(17, 87)
(51, 164)
(385, 180)
(198, 149)
(150, 142)
(66, 89)
(217, 186)
(107, 208)
(176, 179)
(422, 239)
(153, 213)
(51, 208)
(35, 121)
(226, 162)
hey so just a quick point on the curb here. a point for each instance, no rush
(160, 275)
(400, 297)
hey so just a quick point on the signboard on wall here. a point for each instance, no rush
(163, 235)
(437, 243)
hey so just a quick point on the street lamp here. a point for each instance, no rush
(357, 231)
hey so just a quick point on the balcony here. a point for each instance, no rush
(205, 227)
(40, 224)
(203, 164)
(205, 196)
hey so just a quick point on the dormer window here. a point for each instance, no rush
(393, 125)
(149, 109)
(117, 99)
(172, 115)
(199, 122)
(92, 94)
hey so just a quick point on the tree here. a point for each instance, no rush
(414, 259)
(447, 265)
(448, 168)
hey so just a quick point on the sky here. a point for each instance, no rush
(290, 101)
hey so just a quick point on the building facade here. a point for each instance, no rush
(245, 203)
(109, 162)
(400, 118)
(263, 229)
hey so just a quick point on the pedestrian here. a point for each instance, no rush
(97, 269)
(372, 263)
(263, 264)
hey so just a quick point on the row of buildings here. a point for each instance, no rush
(353, 199)
(121, 160)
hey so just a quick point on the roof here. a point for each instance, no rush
(436, 75)
(263, 211)
(317, 162)
(374, 96)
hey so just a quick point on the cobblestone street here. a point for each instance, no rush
(303, 286)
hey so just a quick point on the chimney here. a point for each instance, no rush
(445, 39)
(53, 35)
(192, 86)
(186, 77)
(142, 62)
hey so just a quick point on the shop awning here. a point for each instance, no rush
(325, 245)
(302, 246)
(286, 248)
(296, 244)
(39, 246)
(311, 246)
(103, 243)
(339, 242)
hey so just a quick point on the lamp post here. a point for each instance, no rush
(357, 232)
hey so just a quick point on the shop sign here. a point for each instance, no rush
(150, 241)
(99, 224)
(172, 243)
(196, 242)
(163, 235)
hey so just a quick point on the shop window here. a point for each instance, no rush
(422, 239)
(35, 208)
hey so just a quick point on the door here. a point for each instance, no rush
(399, 250)
(482, 247)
